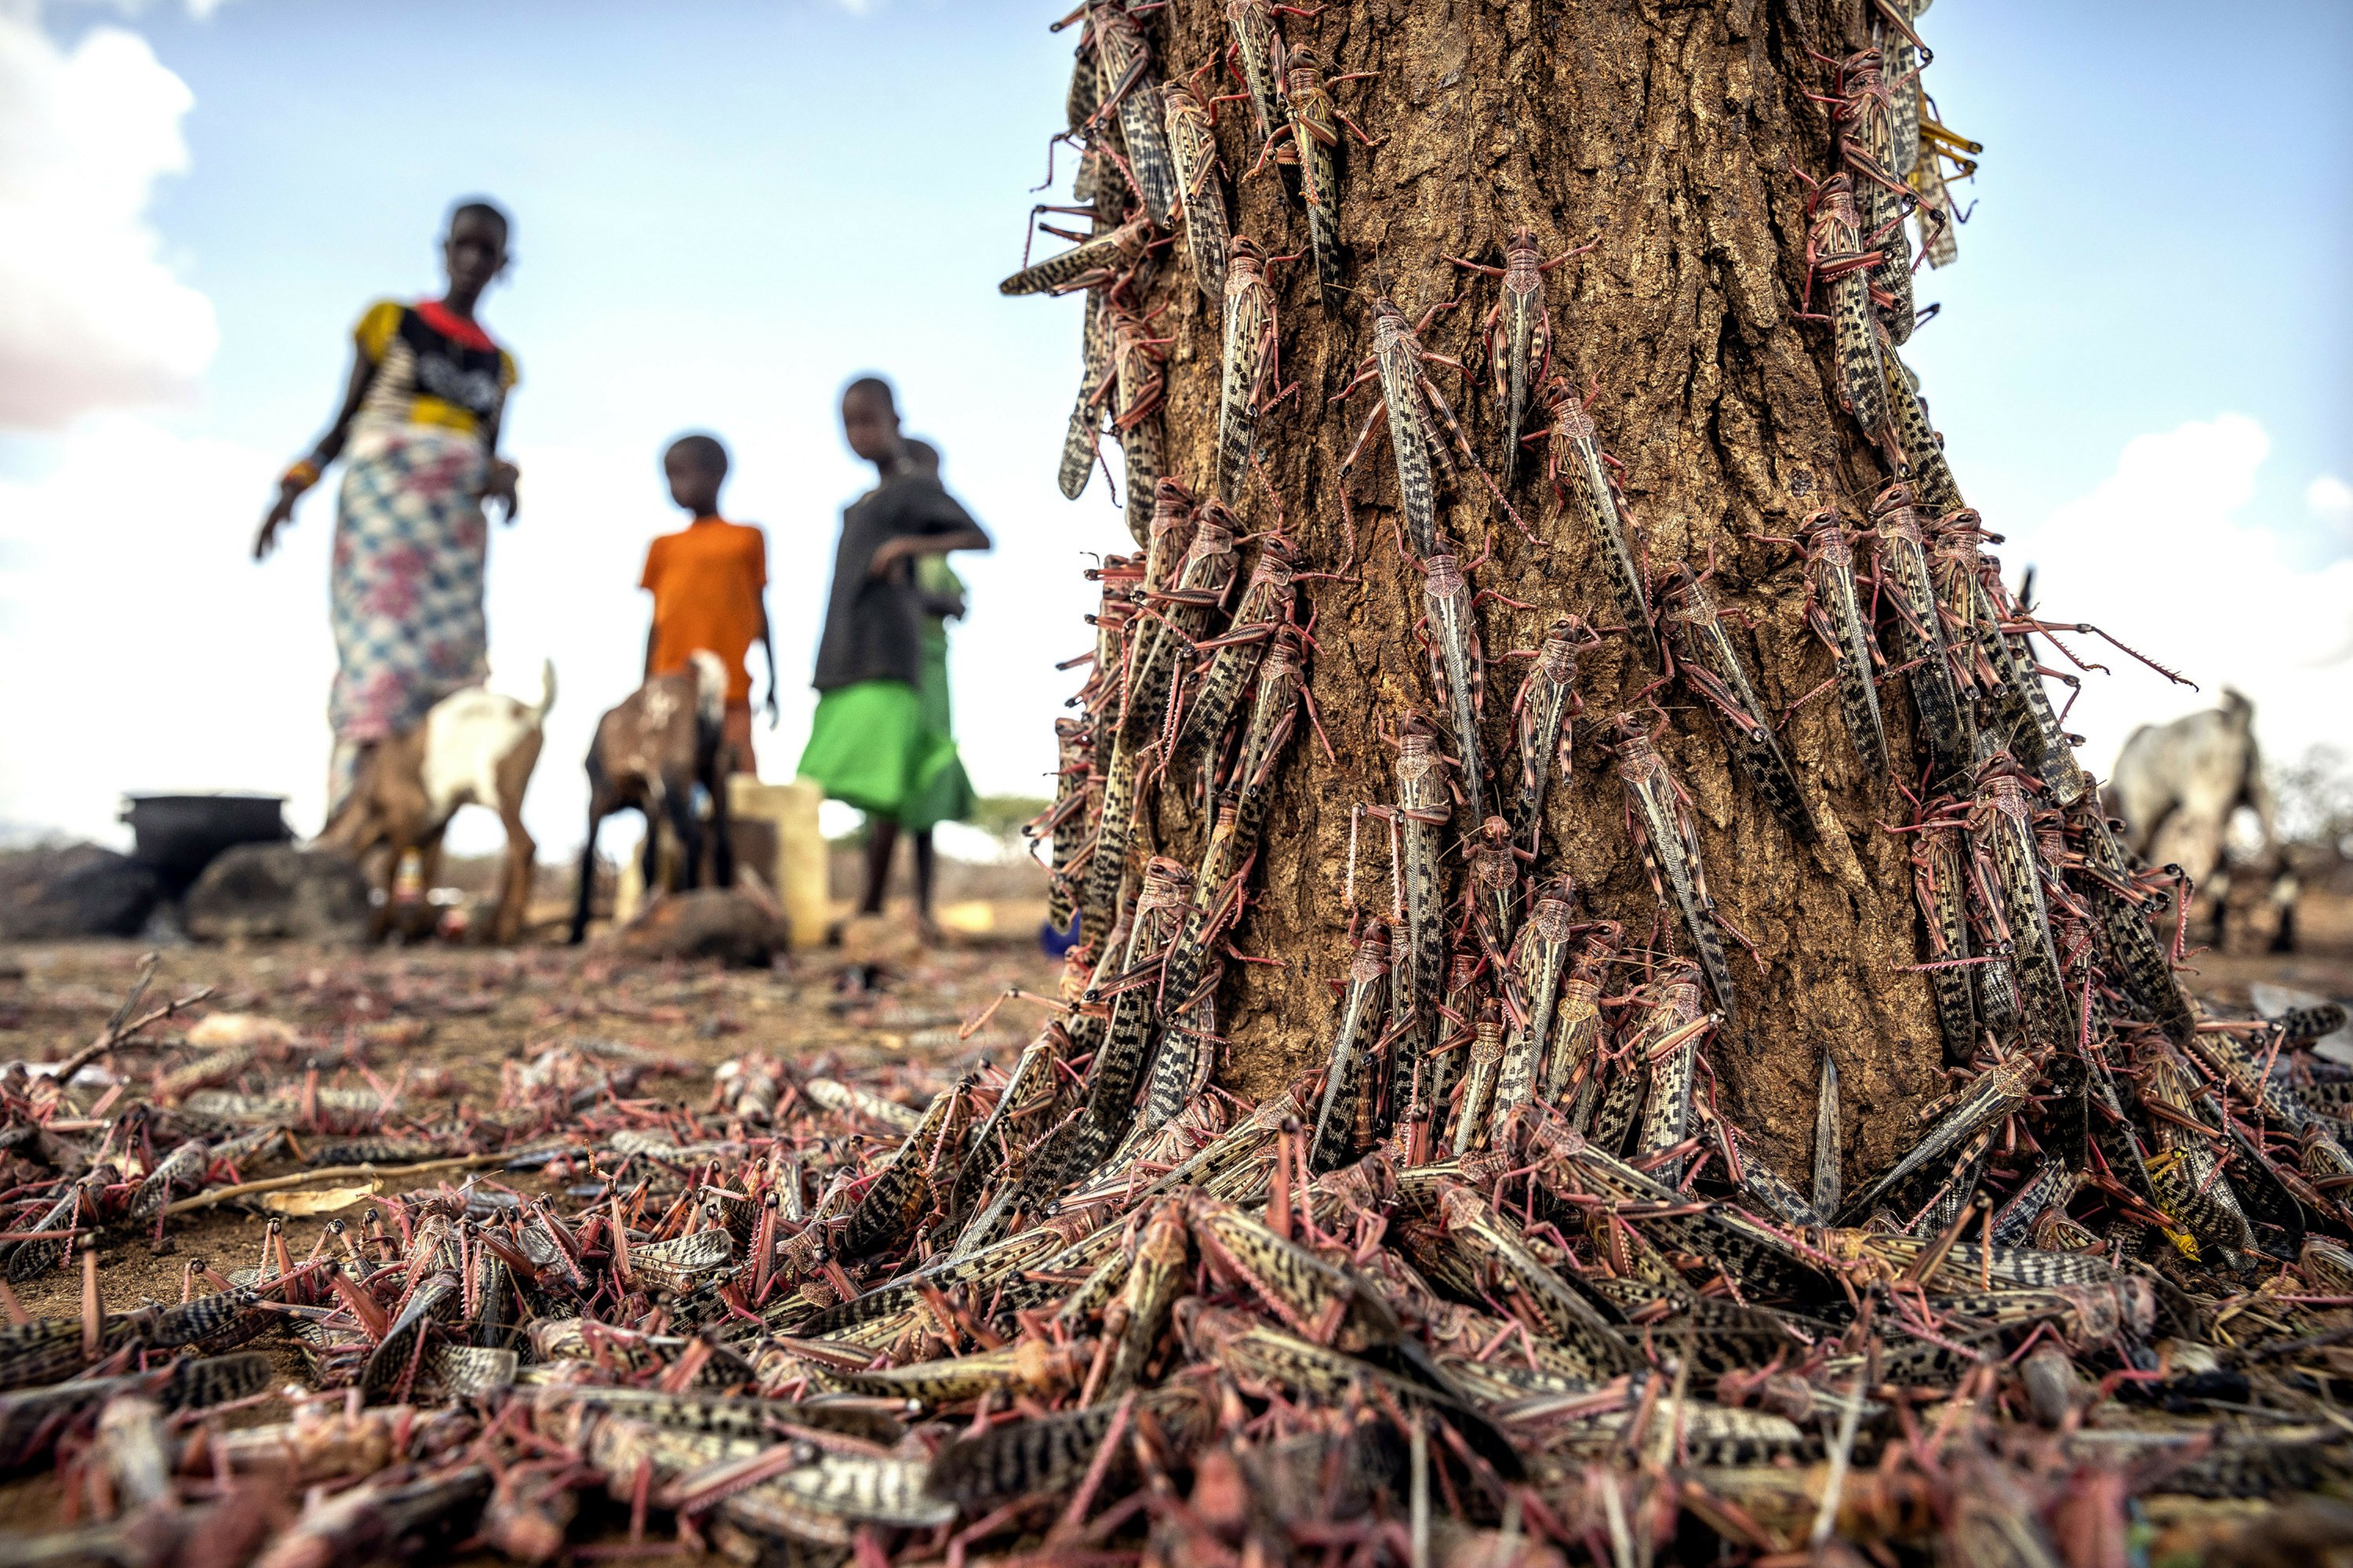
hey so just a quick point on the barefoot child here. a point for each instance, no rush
(870, 745)
(708, 581)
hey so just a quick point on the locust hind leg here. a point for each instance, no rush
(1141, 446)
(1434, 401)
(1828, 1165)
(1699, 921)
(1858, 694)
(1861, 380)
(1691, 904)
(1323, 239)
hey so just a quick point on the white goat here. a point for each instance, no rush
(476, 748)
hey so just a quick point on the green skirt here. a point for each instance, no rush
(870, 747)
(947, 796)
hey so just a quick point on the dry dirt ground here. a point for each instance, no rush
(469, 1011)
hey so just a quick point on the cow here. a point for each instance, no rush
(2178, 785)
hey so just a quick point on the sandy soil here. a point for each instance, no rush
(466, 1012)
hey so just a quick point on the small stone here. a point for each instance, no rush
(731, 924)
(279, 893)
(78, 890)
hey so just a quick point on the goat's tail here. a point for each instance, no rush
(546, 690)
(710, 687)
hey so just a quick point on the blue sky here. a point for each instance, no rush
(2161, 235)
(723, 211)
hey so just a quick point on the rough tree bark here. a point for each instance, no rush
(1666, 134)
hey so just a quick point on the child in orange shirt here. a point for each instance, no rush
(708, 583)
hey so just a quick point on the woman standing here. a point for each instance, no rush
(419, 430)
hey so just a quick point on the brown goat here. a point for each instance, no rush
(650, 753)
(475, 747)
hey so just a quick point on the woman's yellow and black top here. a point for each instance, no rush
(432, 367)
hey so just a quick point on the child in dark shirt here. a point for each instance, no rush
(870, 745)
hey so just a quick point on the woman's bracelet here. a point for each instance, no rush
(301, 474)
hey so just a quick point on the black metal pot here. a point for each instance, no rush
(178, 835)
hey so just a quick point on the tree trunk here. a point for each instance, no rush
(1666, 137)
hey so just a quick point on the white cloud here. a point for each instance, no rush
(2330, 499)
(145, 651)
(2160, 555)
(202, 10)
(89, 315)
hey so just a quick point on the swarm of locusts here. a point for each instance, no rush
(1498, 1284)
